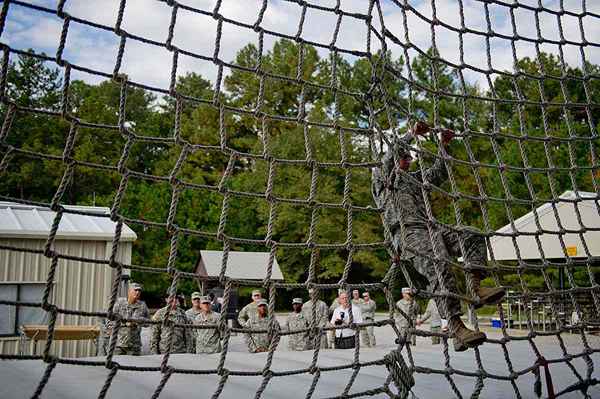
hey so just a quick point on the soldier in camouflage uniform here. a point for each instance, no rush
(257, 342)
(399, 192)
(129, 340)
(367, 308)
(207, 340)
(435, 323)
(297, 321)
(356, 299)
(182, 338)
(321, 318)
(411, 308)
(250, 309)
(195, 310)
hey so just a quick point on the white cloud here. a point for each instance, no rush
(196, 33)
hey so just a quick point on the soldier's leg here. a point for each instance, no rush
(440, 277)
(371, 333)
(475, 258)
(435, 340)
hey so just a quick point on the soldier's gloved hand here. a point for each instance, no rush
(447, 136)
(421, 128)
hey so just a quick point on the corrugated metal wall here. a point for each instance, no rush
(78, 285)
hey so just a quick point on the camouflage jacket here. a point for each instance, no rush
(411, 308)
(247, 312)
(297, 321)
(257, 342)
(182, 337)
(207, 340)
(130, 333)
(368, 309)
(400, 195)
(321, 313)
(191, 313)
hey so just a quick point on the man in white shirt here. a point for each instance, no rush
(345, 338)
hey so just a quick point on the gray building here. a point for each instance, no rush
(78, 285)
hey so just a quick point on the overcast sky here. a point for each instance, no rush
(151, 65)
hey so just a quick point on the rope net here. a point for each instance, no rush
(385, 114)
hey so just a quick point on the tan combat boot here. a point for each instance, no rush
(487, 295)
(463, 337)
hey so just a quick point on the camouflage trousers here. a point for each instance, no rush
(435, 340)
(446, 245)
(367, 334)
(121, 350)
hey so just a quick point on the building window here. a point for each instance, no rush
(12, 317)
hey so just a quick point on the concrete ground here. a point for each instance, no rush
(19, 378)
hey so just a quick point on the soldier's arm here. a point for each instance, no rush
(190, 336)
(425, 316)
(243, 316)
(436, 173)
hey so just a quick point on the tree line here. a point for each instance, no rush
(506, 132)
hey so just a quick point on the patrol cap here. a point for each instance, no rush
(256, 292)
(196, 295)
(407, 290)
(262, 302)
(204, 299)
(135, 286)
(297, 300)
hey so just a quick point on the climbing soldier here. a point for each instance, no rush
(425, 242)
(129, 339)
(258, 341)
(297, 321)
(208, 340)
(165, 332)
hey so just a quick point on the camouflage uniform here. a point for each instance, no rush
(247, 312)
(129, 340)
(207, 340)
(321, 319)
(368, 314)
(401, 199)
(297, 321)
(182, 337)
(257, 342)
(436, 321)
(191, 313)
(411, 308)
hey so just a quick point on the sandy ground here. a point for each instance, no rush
(19, 378)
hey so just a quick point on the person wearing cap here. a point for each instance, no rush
(259, 320)
(192, 312)
(297, 321)
(345, 337)
(320, 318)
(129, 338)
(435, 323)
(410, 307)
(368, 307)
(179, 337)
(208, 340)
(250, 309)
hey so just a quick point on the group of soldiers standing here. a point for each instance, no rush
(179, 331)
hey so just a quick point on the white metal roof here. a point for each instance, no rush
(240, 265)
(504, 249)
(30, 221)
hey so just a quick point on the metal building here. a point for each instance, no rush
(551, 219)
(79, 285)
